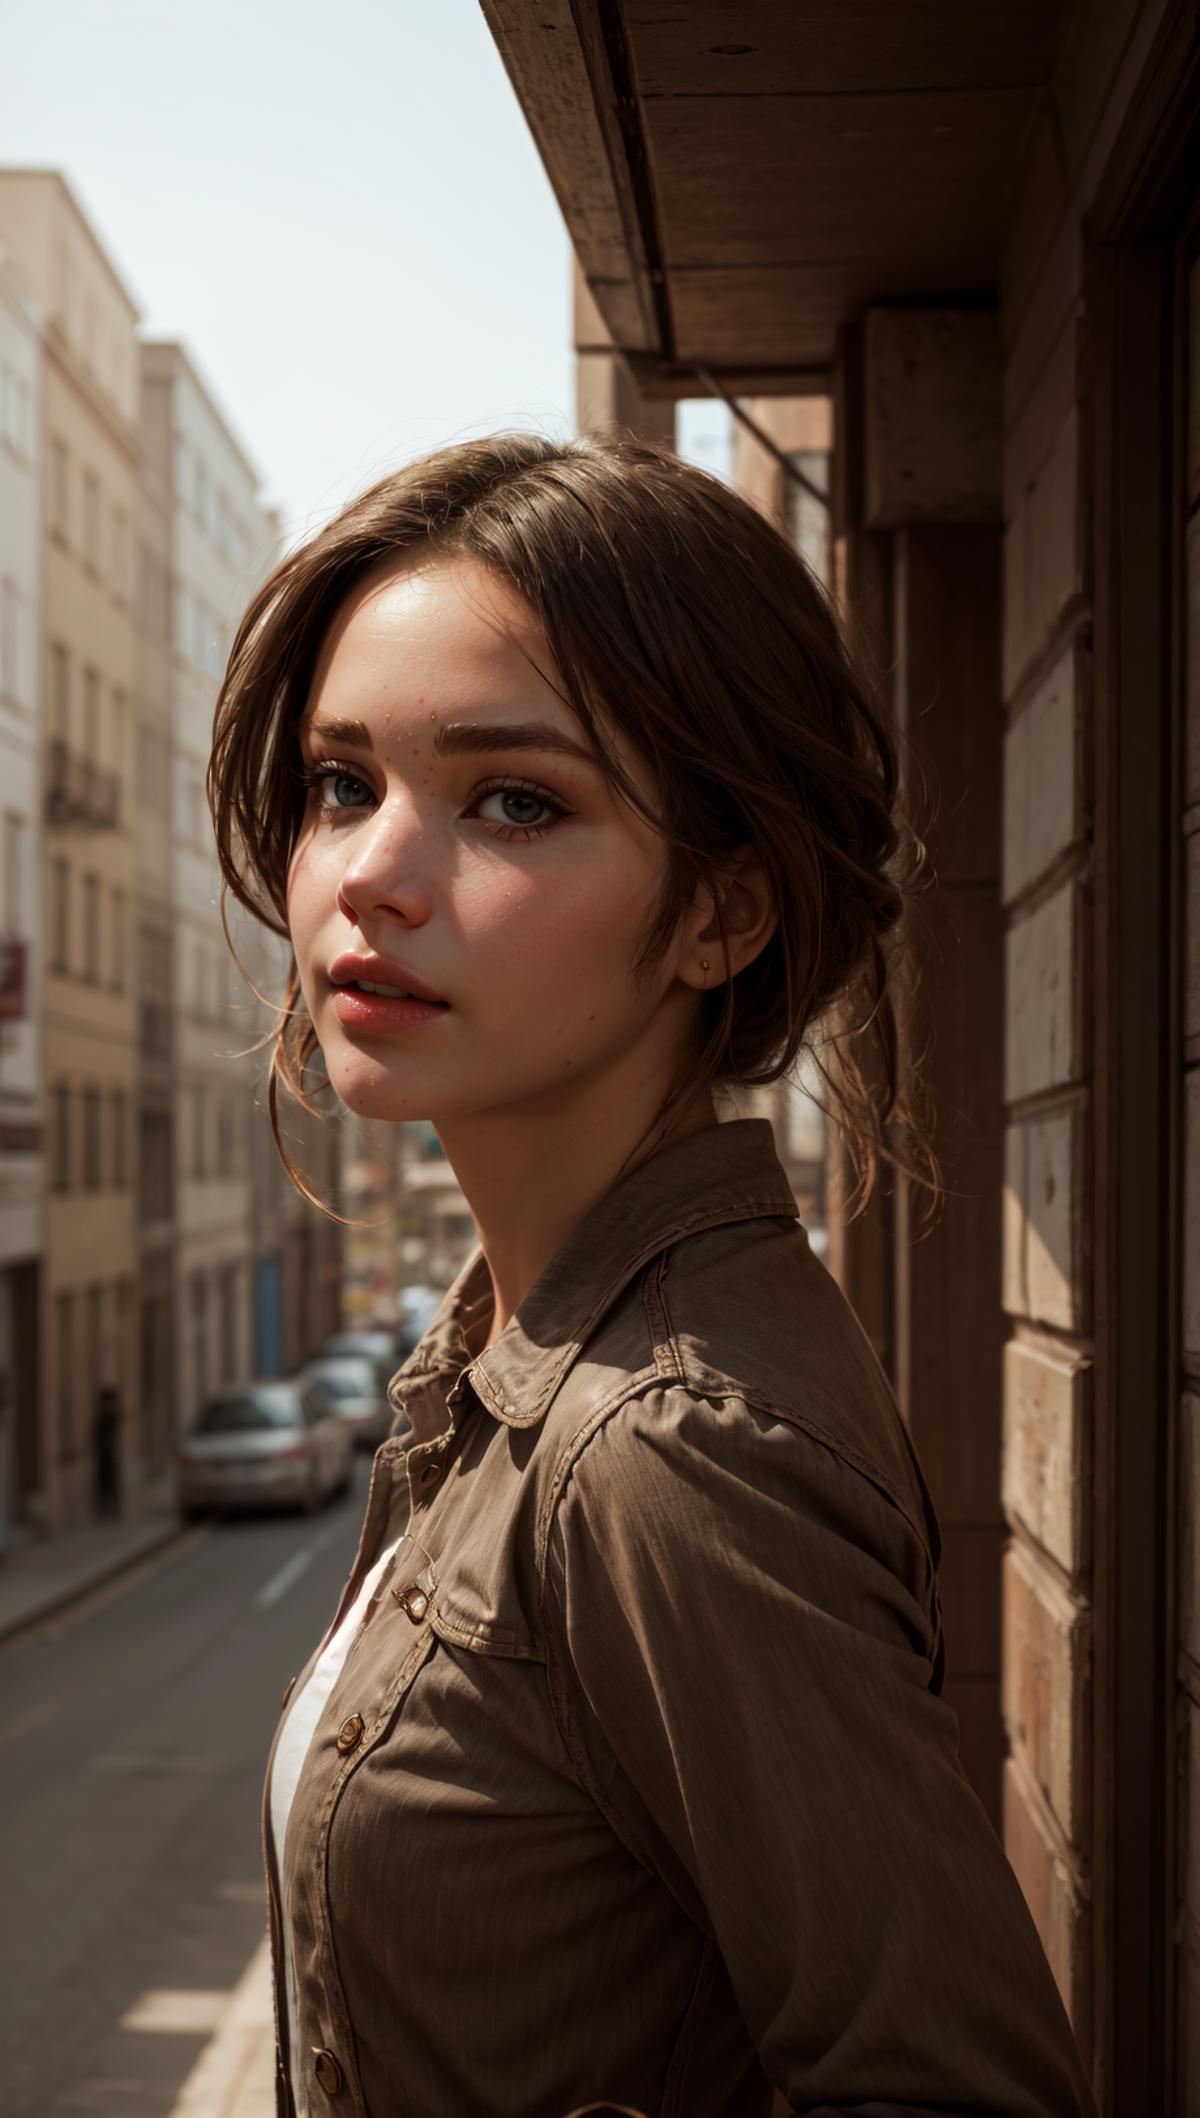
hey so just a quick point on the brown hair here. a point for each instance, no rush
(675, 607)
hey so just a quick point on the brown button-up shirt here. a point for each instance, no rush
(652, 1799)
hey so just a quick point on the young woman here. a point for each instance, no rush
(621, 1778)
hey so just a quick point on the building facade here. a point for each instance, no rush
(219, 546)
(22, 1110)
(156, 1113)
(89, 457)
(976, 233)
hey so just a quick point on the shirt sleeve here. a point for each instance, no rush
(741, 1630)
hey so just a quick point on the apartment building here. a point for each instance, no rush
(22, 1162)
(219, 546)
(156, 1117)
(89, 502)
(295, 1249)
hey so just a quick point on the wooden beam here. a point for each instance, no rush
(555, 57)
(678, 379)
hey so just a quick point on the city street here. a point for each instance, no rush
(133, 1735)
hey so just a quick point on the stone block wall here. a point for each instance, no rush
(1051, 1466)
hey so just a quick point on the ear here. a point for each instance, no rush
(747, 913)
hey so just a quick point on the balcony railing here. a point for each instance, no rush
(78, 791)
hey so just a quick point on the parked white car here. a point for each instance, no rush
(358, 1397)
(272, 1443)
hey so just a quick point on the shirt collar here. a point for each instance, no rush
(724, 1173)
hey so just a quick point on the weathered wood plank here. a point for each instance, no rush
(549, 70)
(774, 47)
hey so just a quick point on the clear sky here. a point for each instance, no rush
(337, 206)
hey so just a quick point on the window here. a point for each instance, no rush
(199, 1309)
(120, 1173)
(225, 1138)
(60, 1142)
(60, 488)
(154, 1168)
(60, 914)
(118, 941)
(91, 521)
(91, 929)
(91, 715)
(12, 876)
(65, 1380)
(91, 1139)
(10, 675)
(227, 1295)
(120, 732)
(94, 1336)
(60, 691)
(123, 1351)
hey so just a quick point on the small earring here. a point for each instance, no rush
(704, 963)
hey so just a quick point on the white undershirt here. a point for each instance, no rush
(304, 1711)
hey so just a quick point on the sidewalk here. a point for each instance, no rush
(234, 2076)
(47, 1575)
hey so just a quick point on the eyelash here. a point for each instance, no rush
(332, 768)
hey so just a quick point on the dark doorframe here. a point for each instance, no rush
(1129, 496)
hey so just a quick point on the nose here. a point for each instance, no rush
(386, 872)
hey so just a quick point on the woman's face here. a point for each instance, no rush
(457, 838)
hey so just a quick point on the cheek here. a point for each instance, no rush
(562, 931)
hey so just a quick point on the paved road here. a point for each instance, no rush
(133, 1734)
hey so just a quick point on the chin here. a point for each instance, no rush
(372, 1089)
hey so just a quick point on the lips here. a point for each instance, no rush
(358, 969)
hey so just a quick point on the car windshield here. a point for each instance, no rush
(345, 1382)
(241, 1415)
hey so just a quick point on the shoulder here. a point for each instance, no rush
(734, 1354)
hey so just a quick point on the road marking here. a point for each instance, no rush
(291, 1570)
(176, 2012)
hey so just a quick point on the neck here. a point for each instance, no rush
(530, 1175)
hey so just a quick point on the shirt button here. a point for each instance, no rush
(327, 2070)
(349, 1734)
(288, 1689)
(430, 1472)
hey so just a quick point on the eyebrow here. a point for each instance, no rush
(456, 738)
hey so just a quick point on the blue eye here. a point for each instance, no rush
(341, 780)
(516, 798)
(337, 776)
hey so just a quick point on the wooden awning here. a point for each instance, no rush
(736, 179)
